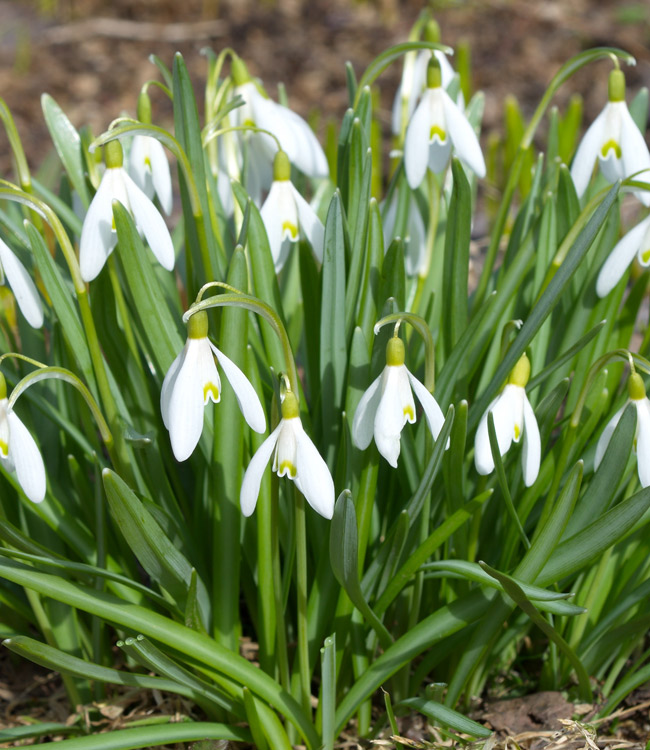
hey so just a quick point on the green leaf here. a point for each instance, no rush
(157, 555)
(31, 731)
(446, 716)
(68, 145)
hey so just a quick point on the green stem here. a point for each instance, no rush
(122, 310)
(282, 655)
(301, 584)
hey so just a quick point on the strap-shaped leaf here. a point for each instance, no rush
(446, 716)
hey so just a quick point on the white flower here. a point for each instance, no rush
(636, 390)
(295, 456)
(437, 125)
(513, 416)
(614, 139)
(98, 235)
(388, 405)
(635, 242)
(413, 82)
(149, 168)
(286, 215)
(415, 246)
(193, 380)
(293, 133)
(19, 452)
(22, 286)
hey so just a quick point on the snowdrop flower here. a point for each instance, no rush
(193, 380)
(415, 246)
(148, 165)
(286, 215)
(414, 78)
(18, 450)
(388, 405)
(513, 416)
(637, 396)
(436, 125)
(98, 235)
(635, 242)
(614, 139)
(295, 136)
(21, 285)
(295, 456)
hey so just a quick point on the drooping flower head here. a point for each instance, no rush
(437, 125)
(388, 405)
(148, 165)
(637, 396)
(98, 235)
(19, 453)
(295, 456)
(294, 134)
(614, 140)
(513, 417)
(287, 215)
(193, 380)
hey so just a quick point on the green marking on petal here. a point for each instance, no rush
(210, 390)
(517, 433)
(4, 448)
(408, 412)
(437, 131)
(147, 162)
(611, 145)
(286, 467)
(291, 229)
(645, 256)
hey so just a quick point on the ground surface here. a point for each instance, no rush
(94, 67)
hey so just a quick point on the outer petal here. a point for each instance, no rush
(482, 453)
(161, 176)
(313, 478)
(416, 142)
(140, 165)
(606, 436)
(97, 236)
(587, 153)
(620, 258)
(462, 136)
(168, 384)
(643, 441)
(278, 209)
(635, 154)
(185, 409)
(151, 223)
(432, 411)
(363, 425)
(22, 286)
(246, 396)
(250, 486)
(311, 226)
(27, 459)
(389, 419)
(503, 410)
(309, 156)
(532, 449)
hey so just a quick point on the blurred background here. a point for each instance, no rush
(92, 56)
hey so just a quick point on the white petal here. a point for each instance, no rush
(27, 459)
(643, 441)
(439, 152)
(185, 410)
(246, 396)
(161, 175)
(620, 258)
(313, 478)
(390, 417)
(97, 235)
(259, 176)
(250, 487)
(310, 225)
(606, 436)
(611, 167)
(308, 154)
(532, 448)
(587, 153)
(432, 411)
(417, 140)
(278, 213)
(363, 425)
(635, 154)
(482, 452)
(463, 137)
(504, 409)
(140, 165)
(22, 286)
(151, 224)
(168, 384)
